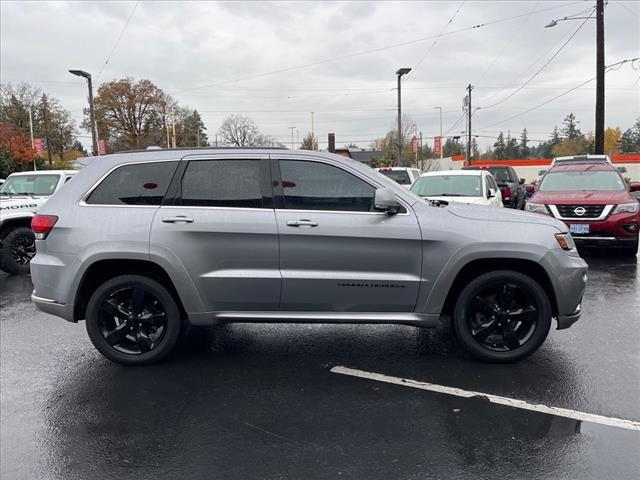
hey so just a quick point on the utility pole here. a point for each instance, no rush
(600, 68)
(198, 138)
(400, 72)
(298, 137)
(173, 122)
(313, 133)
(421, 152)
(33, 144)
(45, 116)
(168, 138)
(292, 129)
(469, 150)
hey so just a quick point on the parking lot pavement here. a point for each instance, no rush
(261, 401)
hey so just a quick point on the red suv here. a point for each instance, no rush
(594, 201)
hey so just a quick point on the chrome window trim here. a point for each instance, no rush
(605, 213)
(341, 211)
(199, 207)
(83, 200)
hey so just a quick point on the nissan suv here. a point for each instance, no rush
(593, 199)
(142, 244)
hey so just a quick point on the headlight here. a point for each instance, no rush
(626, 208)
(536, 208)
(565, 240)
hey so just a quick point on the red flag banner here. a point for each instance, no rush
(102, 147)
(38, 146)
(437, 145)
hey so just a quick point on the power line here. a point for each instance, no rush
(366, 52)
(435, 42)
(635, 14)
(608, 68)
(541, 68)
(126, 24)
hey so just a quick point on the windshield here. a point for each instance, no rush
(400, 176)
(448, 186)
(42, 185)
(600, 180)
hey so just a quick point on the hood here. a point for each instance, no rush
(460, 200)
(19, 205)
(504, 215)
(583, 197)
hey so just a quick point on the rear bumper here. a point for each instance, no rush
(52, 307)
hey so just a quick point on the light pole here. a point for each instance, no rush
(92, 115)
(600, 69)
(400, 72)
(440, 108)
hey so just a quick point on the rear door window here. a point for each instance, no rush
(223, 183)
(136, 184)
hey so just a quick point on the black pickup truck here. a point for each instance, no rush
(511, 187)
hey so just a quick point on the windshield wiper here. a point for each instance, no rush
(449, 195)
(8, 194)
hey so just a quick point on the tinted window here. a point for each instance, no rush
(501, 174)
(141, 184)
(222, 183)
(317, 186)
(400, 176)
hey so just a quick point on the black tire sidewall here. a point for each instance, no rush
(174, 322)
(525, 282)
(7, 262)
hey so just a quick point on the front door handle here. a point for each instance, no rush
(178, 219)
(301, 223)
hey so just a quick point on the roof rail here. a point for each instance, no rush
(153, 147)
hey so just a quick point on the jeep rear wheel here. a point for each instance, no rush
(502, 316)
(18, 248)
(133, 320)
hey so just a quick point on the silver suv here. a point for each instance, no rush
(142, 244)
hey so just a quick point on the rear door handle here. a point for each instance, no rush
(301, 223)
(178, 219)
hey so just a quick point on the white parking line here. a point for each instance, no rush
(510, 402)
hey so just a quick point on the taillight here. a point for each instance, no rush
(42, 225)
(506, 192)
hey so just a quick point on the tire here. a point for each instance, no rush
(521, 333)
(18, 248)
(139, 316)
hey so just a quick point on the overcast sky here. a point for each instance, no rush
(277, 62)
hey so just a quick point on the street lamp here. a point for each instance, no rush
(440, 108)
(400, 72)
(600, 69)
(94, 136)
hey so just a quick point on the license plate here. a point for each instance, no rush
(579, 228)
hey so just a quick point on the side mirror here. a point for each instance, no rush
(634, 186)
(522, 180)
(385, 201)
(541, 172)
(622, 169)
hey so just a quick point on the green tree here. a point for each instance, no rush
(452, 146)
(523, 147)
(310, 142)
(511, 147)
(499, 147)
(630, 139)
(570, 128)
(190, 129)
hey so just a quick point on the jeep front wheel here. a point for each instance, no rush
(18, 248)
(133, 320)
(502, 316)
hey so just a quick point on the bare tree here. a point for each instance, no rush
(239, 131)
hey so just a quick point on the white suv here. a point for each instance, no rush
(402, 175)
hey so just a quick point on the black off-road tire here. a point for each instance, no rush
(23, 239)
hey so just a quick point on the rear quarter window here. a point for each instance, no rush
(138, 184)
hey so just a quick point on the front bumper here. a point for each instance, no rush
(591, 241)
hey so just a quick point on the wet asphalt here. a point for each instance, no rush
(259, 401)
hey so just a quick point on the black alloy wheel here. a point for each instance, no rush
(18, 248)
(133, 320)
(502, 316)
